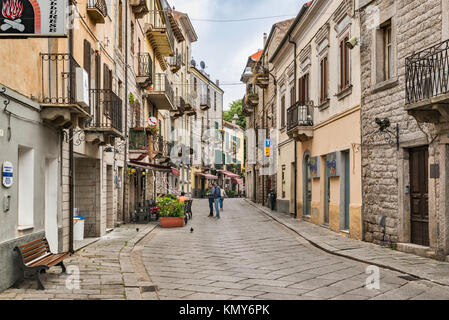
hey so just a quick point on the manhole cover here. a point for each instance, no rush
(408, 278)
(148, 289)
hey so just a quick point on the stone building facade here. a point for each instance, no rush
(405, 183)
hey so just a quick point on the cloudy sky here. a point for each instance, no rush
(225, 46)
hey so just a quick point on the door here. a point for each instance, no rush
(327, 196)
(51, 197)
(292, 188)
(307, 187)
(347, 190)
(419, 196)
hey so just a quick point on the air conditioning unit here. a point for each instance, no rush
(82, 87)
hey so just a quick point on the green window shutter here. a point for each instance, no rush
(218, 157)
(216, 125)
(160, 127)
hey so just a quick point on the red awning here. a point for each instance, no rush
(175, 172)
(230, 174)
(237, 181)
(149, 166)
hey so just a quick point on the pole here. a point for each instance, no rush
(71, 160)
(125, 166)
(296, 145)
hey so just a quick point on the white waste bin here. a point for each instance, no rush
(78, 228)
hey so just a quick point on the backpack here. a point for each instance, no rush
(217, 193)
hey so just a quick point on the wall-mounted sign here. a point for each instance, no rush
(7, 174)
(152, 122)
(332, 165)
(315, 167)
(33, 18)
(82, 87)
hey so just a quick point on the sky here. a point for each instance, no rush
(224, 46)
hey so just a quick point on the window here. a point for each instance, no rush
(120, 25)
(292, 95)
(195, 85)
(132, 37)
(283, 181)
(215, 101)
(283, 112)
(87, 58)
(26, 188)
(323, 80)
(387, 51)
(344, 64)
(303, 84)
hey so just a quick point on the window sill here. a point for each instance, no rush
(384, 85)
(24, 228)
(324, 105)
(344, 93)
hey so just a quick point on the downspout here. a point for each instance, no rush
(296, 156)
(126, 114)
(71, 160)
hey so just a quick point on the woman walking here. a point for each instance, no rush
(223, 195)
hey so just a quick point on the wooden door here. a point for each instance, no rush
(419, 196)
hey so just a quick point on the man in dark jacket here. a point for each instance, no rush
(211, 196)
(217, 197)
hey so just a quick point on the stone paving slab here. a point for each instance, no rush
(423, 268)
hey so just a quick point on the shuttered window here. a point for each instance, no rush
(323, 80)
(292, 96)
(87, 58)
(283, 112)
(344, 64)
(303, 89)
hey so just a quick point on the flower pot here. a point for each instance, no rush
(172, 222)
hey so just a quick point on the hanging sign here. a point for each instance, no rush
(315, 167)
(7, 174)
(33, 18)
(332, 165)
(268, 143)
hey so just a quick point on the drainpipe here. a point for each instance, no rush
(71, 160)
(126, 112)
(296, 156)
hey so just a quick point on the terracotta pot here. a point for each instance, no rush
(170, 222)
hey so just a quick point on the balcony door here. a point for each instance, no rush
(419, 196)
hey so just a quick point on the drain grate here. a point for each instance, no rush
(408, 278)
(148, 289)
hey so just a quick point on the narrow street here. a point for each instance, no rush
(244, 255)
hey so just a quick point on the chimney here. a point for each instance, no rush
(217, 82)
(265, 38)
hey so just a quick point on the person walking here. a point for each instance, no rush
(211, 196)
(223, 195)
(217, 196)
(182, 198)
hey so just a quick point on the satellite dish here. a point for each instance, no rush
(203, 65)
(193, 63)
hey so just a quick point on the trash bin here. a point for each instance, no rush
(78, 228)
(273, 200)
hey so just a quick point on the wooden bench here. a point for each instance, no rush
(35, 257)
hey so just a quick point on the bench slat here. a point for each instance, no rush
(31, 243)
(38, 259)
(36, 255)
(42, 249)
(36, 245)
(51, 260)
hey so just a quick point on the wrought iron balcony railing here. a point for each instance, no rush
(162, 147)
(144, 69)
(97, 10)
(138, 139)
(162, 85)
(175, 62)
(157, 24)
(106, 110)
(59, 80)
(427, 73)
(205, 101)
(180, 104)
(299, 115)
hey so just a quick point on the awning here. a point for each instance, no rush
(149, 166)
(175, 172)
(207, 176)
(237, 181)
(229, 174)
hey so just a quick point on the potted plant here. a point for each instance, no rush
(171, 212)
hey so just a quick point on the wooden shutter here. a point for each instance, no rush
(87, 58)
(292, 96)
(283, 111)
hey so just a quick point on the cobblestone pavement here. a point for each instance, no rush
(246, 255)
(243, 255)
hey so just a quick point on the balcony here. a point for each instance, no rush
(180, 107)
(191, 106)
(246, 111)
(139, 139)
(252, 99)
(65, 96)
(427, 84)
(139, 8)
(161, 92)
(300, 122)
(160, 34)
(175, 63)
(97, 10)
(161, 148)
(106, 122)
(205, 102)
(144, 76)
(262, 79)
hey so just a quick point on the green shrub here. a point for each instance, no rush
(170, 207)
